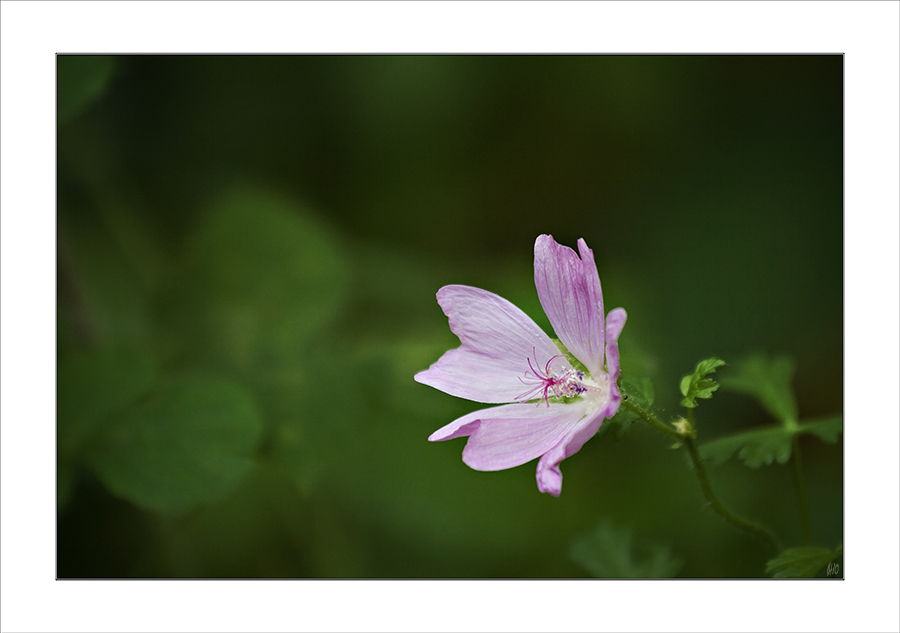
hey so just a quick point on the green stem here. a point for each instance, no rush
(802, 496)
(702, 477)
(724, 512)
(649, 417)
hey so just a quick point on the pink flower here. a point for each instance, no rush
(505, 357)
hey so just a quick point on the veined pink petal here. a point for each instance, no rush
(498, 339)
(510, 435)
(569, 290)
(615, 321)
(549, 477)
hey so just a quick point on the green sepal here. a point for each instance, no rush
(802, 562)
(637, 390)
(577, 364)
(697, 385)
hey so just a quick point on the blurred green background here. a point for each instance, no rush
(248, 253)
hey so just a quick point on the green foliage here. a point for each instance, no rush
(637, 390)
(697, 385)
(754, 448)
(95, 384)
(802, 562)
(765, 445)
(92, 386)
(826, 429)
(259, 280)
(190, 442)
(608, 552)
(769, 381)
(81, 80)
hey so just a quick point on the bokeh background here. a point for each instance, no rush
(248, 253)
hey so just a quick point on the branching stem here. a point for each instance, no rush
(700, 471)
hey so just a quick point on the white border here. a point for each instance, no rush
(33, 32)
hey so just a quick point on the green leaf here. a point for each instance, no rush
(765, 445)
(801, 562)
(190, 442)
(826, 429)
(769, 381)
(260, 279)
(93, 385)
(608, 552)
(81, 80)
(696, 385)
(754, 448)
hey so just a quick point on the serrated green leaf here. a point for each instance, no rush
(754, 448)
(80, 80)
(768, 444)
(608, 552)
(800, 562)
(696, 385)
(769, 381)
(190, 442)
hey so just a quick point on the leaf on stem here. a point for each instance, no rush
(769, 444)
(769, 381)
(697, 385)
(802, 562)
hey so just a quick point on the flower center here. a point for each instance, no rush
(569, 384)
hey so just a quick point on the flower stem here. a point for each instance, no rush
(650, 418)
(700, 471)
(724, 512)
(802, 497)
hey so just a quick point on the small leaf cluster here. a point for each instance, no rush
(697, 385)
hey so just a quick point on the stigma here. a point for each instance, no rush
(569, 384)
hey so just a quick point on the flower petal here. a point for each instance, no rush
(517, 437)
(615, 321)
(569, 290)
(510, 435)
(498, 339)
(549, 477)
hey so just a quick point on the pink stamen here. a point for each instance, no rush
(547, 380)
